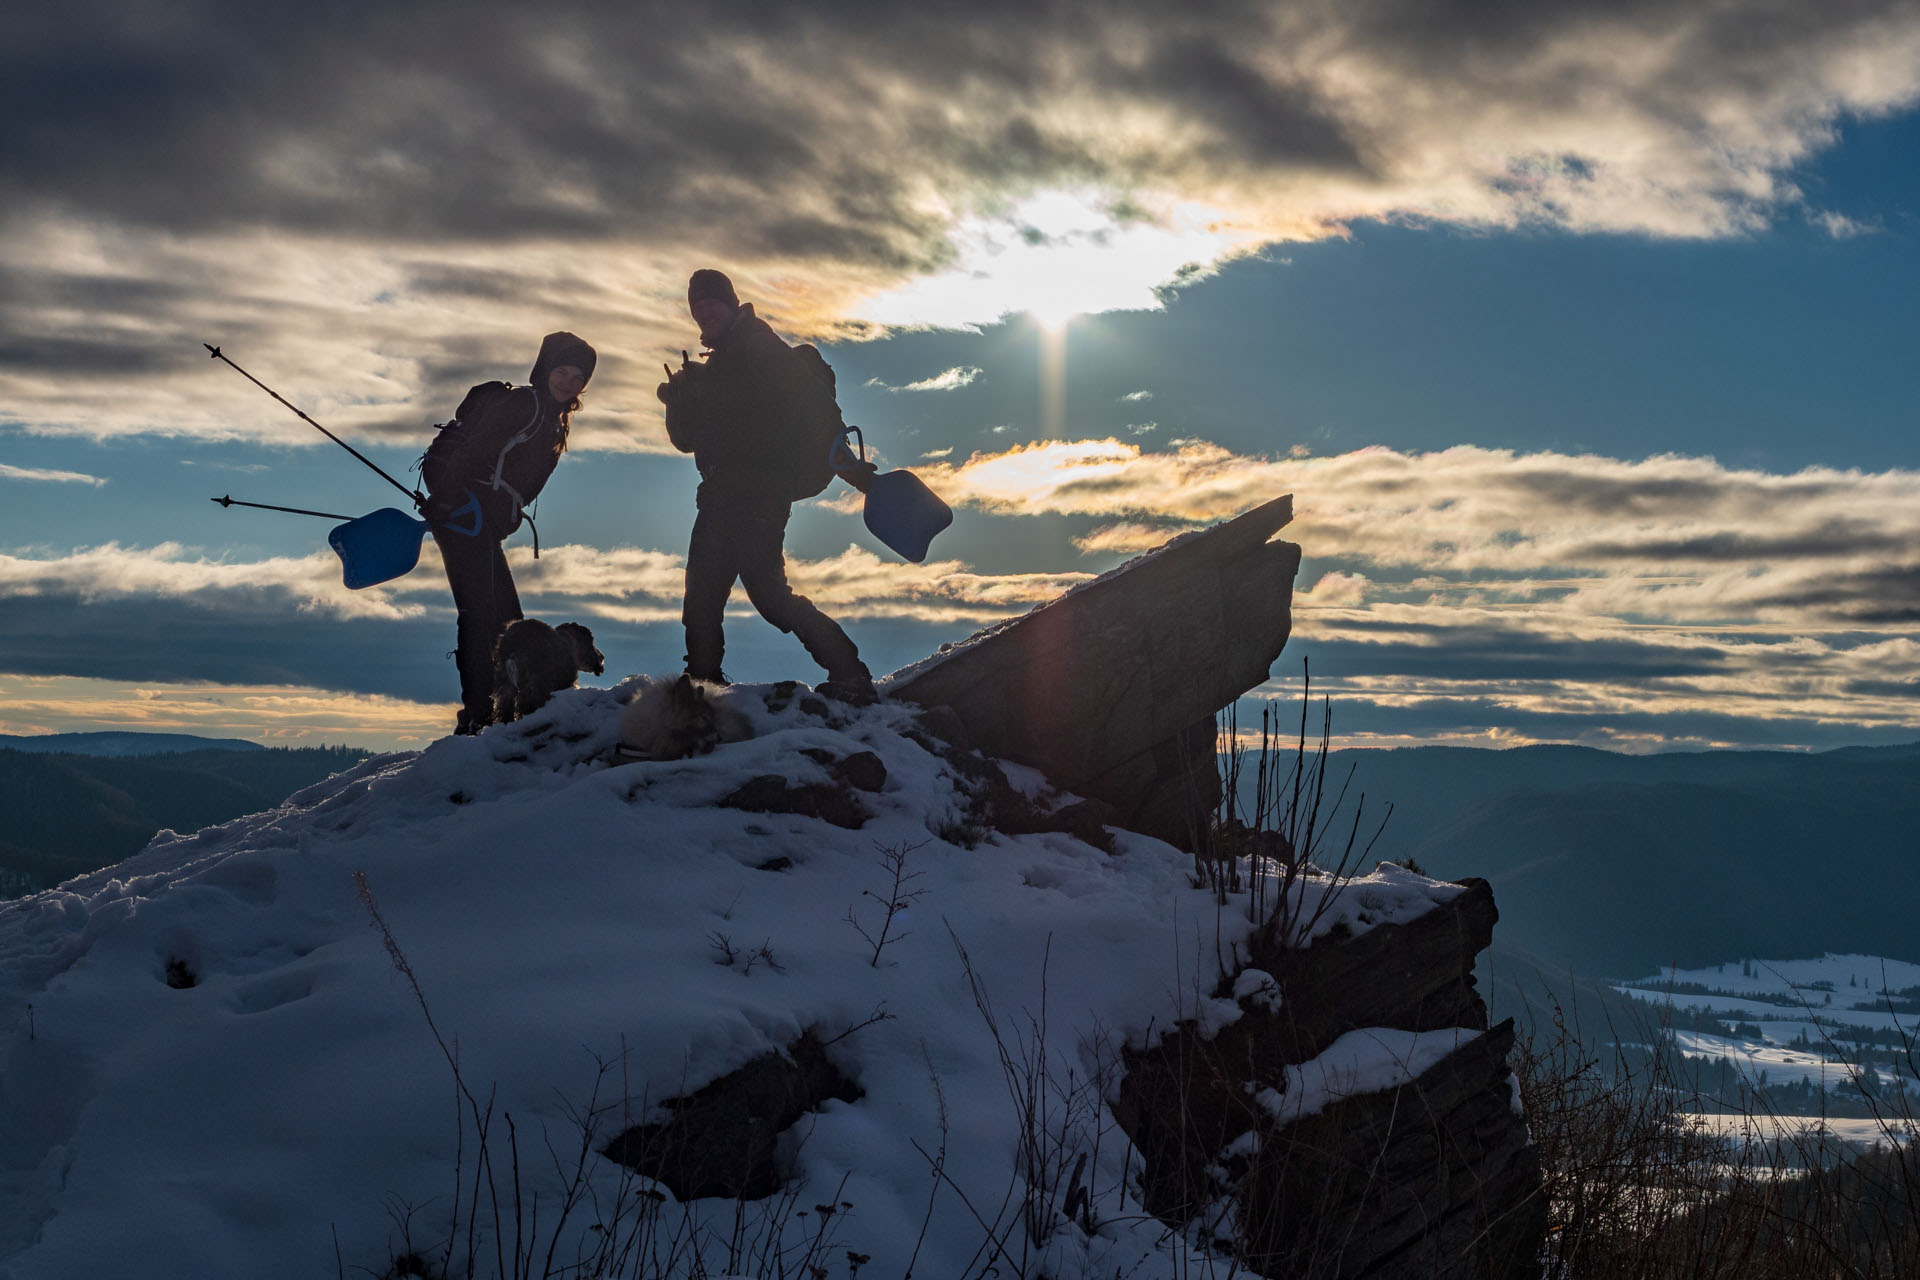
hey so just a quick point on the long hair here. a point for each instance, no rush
(562, 419)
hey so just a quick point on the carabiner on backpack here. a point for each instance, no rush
(471, 507)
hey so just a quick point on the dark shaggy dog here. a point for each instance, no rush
(532, 661)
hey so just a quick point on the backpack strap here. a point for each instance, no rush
(498, 479)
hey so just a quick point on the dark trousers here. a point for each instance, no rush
(741, 539)
(484, 595)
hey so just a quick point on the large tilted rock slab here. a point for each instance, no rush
(1112, 688)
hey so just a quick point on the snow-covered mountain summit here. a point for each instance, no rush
(214, 1067)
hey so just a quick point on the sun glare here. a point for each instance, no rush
(1057, 255)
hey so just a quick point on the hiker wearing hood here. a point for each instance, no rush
(482, 471)
(733, 413)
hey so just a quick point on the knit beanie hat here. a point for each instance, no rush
(561, 348)
(708, 283)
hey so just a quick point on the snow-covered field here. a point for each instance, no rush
(1812, 1016)
(213, 1067)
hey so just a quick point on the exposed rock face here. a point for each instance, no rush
(724, 1140)
(1112, 688)
(1431, 1178)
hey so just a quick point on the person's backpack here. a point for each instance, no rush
(437, 462)
(816, 425)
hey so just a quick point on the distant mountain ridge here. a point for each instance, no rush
(121, 743)
(68, 813)
(1612, 865)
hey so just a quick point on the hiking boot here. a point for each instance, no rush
(716, 677)
(853, 687)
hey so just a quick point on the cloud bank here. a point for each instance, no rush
(1469, 594)
(377, 220)
(1485, 595)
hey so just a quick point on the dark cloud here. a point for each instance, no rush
(1885, 688)
(1470, 653)
(1252, 115)
(264, 639)
(485, 120)
(101, 355)
(1650, 495)
(478, 284)
(1485, 720)
(1831, 539)
(1889, 594)
(47, 288)
(287, 169)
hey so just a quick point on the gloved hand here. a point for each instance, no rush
(857, 473)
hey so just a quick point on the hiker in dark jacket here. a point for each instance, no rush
(483, 470)
(734, 413)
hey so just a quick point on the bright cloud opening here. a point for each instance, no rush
(1060, 254)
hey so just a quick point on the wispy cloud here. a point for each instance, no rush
(645, 586)
(308, 584)
(280, 715)
(45, 476)
(373, 240)
(1699, 539)
(951, 380)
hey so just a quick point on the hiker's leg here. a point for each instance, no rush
(763, 571)
(485, 598)
(703, 609)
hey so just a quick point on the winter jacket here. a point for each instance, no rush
(504, 452)
(734, 413)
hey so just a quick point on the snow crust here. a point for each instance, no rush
(1368, 1060)
(563, 914)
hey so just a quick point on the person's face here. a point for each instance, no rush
(713, 315)
(565, 381)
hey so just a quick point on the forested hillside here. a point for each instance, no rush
(1614, 865)
(66, 814)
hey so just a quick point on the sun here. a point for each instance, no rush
(1053, 317)
(1057, 255)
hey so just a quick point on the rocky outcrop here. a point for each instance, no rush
(1432, 1176)
(725, 1139)
(1258, 1127)
(1112, 688)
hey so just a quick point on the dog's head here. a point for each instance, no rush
(585, 656)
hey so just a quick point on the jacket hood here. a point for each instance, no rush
(561, 348)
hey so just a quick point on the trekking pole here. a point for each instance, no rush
(417, 499)
(262, 506)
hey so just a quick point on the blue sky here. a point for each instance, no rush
(1583, 343)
